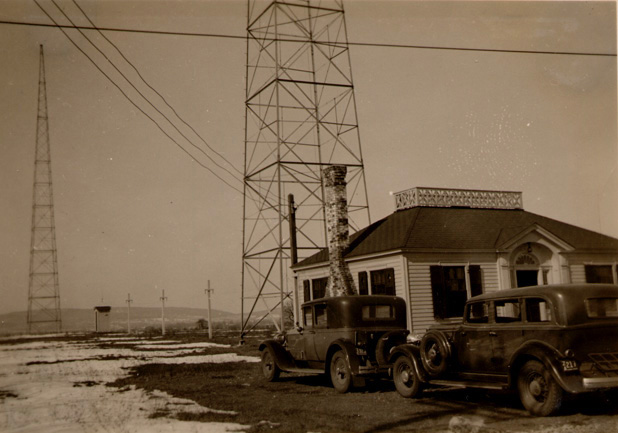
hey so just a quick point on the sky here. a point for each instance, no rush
(133, 212)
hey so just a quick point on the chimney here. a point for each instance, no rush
(340, 281)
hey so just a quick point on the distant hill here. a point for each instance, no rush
(76, 320)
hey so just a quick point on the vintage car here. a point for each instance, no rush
(543, 341)
(348, 338)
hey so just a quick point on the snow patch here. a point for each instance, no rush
(59, 387)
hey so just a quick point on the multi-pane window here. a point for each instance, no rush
(318, 286)
(450, 291)
(383, 282)
(599, 274)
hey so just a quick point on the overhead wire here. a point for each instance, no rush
(360, 44)
(138, 91)
(143, 96)
(153, 89)
(133, 103)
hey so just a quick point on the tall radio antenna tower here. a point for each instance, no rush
(43, 292)
(300, 116)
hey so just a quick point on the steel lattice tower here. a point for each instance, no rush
(43, 293)
(300, 116)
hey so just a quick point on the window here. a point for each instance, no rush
(307, 317)
(383, 282)
(448, 284)
(599, 274)
(507, 311)
(320, 315)
(602, 307)
(478, 312)
(537, 310)
(306, 290)
(378, 312)
(319, 287)
(363, 287)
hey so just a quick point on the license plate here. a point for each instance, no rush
(569, 365)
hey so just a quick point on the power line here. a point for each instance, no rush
(153, 89)
(145, 98)
(360, 44)
(132, 102)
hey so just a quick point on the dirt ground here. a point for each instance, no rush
(298, 403)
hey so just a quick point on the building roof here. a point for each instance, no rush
(456, 228)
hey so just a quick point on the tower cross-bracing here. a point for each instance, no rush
(300, 116)
(43, 291)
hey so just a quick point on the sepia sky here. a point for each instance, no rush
(135, 214)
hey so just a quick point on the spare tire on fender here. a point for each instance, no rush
(435, 353)
(386, 343)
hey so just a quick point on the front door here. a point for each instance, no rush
(527, 278)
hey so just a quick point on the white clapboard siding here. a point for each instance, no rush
(421, 298)
(578, 274)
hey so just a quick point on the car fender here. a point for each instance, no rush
(349, 351)
(412, 351)
(549, 356)
(282, 357)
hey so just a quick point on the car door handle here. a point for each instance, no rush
(493, 334)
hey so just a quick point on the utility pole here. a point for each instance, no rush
(163, 298)
(208, 291)
(129, 300)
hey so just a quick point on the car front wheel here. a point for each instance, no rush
(270, 370)
(405, 378)
(538, 391)
(340, 374)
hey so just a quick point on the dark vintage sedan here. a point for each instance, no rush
(348, 338)
(543, 341)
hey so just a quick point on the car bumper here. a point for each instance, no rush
(591, 383)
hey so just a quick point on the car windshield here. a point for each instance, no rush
(602, 308)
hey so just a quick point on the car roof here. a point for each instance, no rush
(553, 291)
(356, 299)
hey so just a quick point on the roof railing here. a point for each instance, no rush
(447, 197)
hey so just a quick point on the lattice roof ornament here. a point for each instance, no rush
(445, 197)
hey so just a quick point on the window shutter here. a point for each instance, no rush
(306, 290)
(437, 289)
(476, 281)
(363, 287)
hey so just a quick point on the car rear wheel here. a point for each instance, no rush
(538, 391)
(435, 353)
(406, 380)
(340, 374)
(270, 370)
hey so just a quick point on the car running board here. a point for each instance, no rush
(304, 370)
(467, 384)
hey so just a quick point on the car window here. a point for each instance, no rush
(307, 317)
(602, 307)
(378, 312)
(537, 310)
(477, 313)
(507, 311)
(320, 315)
